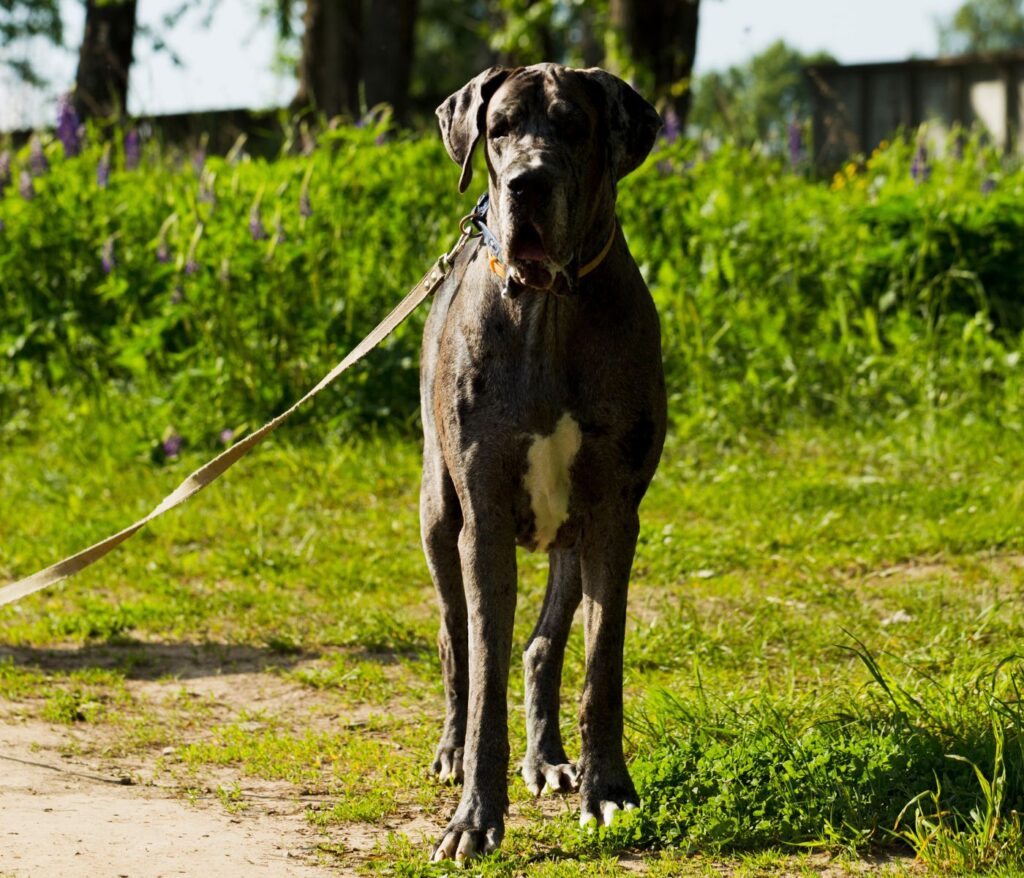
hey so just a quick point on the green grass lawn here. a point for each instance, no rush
(820, 621)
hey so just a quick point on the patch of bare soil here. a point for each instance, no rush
(64, 816)
(68, 806)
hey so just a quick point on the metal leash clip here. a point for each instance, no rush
(470, 226)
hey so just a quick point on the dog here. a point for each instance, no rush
(544, 409)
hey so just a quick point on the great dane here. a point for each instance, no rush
(543, 405)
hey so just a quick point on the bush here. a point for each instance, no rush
(233, 287)
(728, 776)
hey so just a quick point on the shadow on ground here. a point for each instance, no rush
(139, 660)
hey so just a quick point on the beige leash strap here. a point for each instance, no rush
(211, 471)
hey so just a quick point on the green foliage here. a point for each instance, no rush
(983, 26)
(751, 102)
(22, 20)
(235, 326)
(889, 764)
(781, 298)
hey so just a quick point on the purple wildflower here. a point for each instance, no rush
(5, 169)
(672, 128)
(68, 125)
(305, 208)
(256, 224)
(988, 186)
(171, 446)
(198, 160)
(107, 256)
(132, 149)
(381, 138)
(177, 296)
(26, 187)
(206, 193)
(796, 143)
(920, 170)
(103, 170)
(227, 436)
(37, 158)
(163, 255)
(191, 265)
(958, 146)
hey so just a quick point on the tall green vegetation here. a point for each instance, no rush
(983, 26)
(239, 282)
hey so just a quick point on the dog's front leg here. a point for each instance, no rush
(487, 549)
(608, 547)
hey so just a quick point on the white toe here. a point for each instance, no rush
(446, 849)
(466, 847)
(608, 812)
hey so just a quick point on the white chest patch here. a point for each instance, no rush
(549, 461)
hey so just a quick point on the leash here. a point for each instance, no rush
(471, 226)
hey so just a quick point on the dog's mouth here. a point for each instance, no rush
(528, 258)
(528, 244)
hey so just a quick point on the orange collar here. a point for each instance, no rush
(498, 267)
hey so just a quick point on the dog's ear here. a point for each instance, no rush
(462, 118)
(633, 124)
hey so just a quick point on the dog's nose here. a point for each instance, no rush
(528, 184)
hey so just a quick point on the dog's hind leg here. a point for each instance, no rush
(545, 762)
(440, 523)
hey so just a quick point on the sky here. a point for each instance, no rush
(230, 63)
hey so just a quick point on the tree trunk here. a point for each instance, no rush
(329, 67)
(660, 38)
(591, 50)
(388, 54)
(105, 58)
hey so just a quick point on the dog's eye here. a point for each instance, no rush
(571, 125)
(499, 127)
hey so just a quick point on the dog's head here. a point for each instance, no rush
(557, 142)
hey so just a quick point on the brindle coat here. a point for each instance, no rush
(544, 419)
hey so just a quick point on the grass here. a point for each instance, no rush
(820, 652)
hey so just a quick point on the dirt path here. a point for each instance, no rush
(63, 816)
(66, 814)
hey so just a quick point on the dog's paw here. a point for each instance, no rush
(462, 842)
(606, 812)
(605, 791)
(447, 765)
(541, 775)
